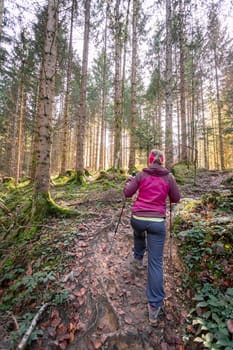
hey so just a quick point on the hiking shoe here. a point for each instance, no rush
(153, 314)
(138, 263)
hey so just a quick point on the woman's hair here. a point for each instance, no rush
(156, 156)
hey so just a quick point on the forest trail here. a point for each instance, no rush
(107, 308)
(107, 305)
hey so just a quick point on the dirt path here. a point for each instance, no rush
(108, 305)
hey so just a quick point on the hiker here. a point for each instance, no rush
(153, 184)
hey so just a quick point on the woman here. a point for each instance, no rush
(154, 184)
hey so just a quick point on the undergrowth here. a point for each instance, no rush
(34, 261)
(204, 232)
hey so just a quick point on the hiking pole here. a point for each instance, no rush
(119, 220)
(170, 231)
(116, 228)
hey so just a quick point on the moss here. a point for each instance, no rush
(80, 178)
(44, 205)
(184, 172)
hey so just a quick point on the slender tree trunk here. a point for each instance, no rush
(221, 148)
(1, 16)
(182, 84)
(41, 194)
(81, 125)
(214, 141)
(133, 114)
(159, 107)
(125, 39)
(118, 88)
(34, 132)
(103, 95)
(205, 134)
(20, 128)
(13, 146)
(67, 98)
(169, 107)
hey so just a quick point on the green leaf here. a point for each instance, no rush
(216, 318)
(199, 340)
(198, 297)
(229, 291)
(209, 337)
(206, 315)
(202, 304)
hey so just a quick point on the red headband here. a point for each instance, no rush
(153, 156)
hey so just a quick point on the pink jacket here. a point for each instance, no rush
(154, 184)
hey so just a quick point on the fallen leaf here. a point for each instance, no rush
(80, 293)
(230, 326)
(80, 326)
(52, 332)
(164, 346)
(169, 317)
(128, 320)
(97, 344)
(29, 268)
(72, 337)
(71, 327)
(55, 322)
(121, 312)
(61, 329)
(63, 345)
(82, 244)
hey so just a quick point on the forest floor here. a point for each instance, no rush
(107, 305)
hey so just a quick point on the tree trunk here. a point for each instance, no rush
(133, 114)
(205, 134)
(1, 16)
(182, 84)
(118, 88)
(22, 103)
(81, 124)
(67, 98)
(41, 196)
(13, 139)
(169, 106)
(220, 136)
(103, 96)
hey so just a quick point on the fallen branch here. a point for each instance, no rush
(24, 340)
(5, 209)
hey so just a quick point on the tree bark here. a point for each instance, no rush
(220, 136)
(182, 84)
(118, 88)
(103, 96)
(169, 106)
(133, 114)
(22, 103)
(67, 98)
(81, 123)
(41, 194)
(1, 16)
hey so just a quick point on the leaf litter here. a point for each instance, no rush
(107, 305)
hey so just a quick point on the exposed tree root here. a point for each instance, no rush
(119, 323)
